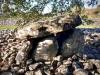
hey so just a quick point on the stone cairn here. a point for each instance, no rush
(50, 47)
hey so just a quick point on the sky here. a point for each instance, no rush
(89, 7)
(48, 8)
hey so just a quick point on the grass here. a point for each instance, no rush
(8, 27)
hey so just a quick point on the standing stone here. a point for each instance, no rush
(46, 49)
(74, 44)
(22, 54)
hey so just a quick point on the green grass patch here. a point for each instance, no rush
(89, 26)
(8, 27)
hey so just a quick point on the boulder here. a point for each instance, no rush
(23, 53)
(46, 49)
(74, 44)
(48, 26)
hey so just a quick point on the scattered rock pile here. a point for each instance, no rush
(70, 52)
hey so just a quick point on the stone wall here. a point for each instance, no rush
(8, 21)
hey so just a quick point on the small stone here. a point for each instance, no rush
(30, 61)
(6, 73)
(47, 71)
(98, 70)
(63, 69)
(15, 69)
(75, 65)
(29, 73)
(80, 55)
(74, 57)
(97, 64)
(59, 63)
(80, 72)
(96, 74)
(21, 71)
(88, 66)
(59, 73)
(67, 62)
(47, 63)
(35, 66)
(39, 72)
(59, 58)
(85, 57)
(11, 60)
(54, 64)
(92, 72)
(5, 68)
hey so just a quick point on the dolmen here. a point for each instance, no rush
(37, 44)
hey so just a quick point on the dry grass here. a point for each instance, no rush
(92, 13)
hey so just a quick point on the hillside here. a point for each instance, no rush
(93, 13)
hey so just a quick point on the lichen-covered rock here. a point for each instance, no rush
(23, 53)
(47, 27)
(46, 49)
(74, 44)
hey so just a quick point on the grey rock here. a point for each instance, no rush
(47, 27)
(80, 72)
(22, 54)
(35, 66)
(29, 61)
(96, 74)
(74, 44)
(54, 64)
(91, 56)
(63, 69)
(21, 71)
(46, 49)
(97, 64)
(88, 66)
(67, 62)
(59, 58)
(14, 73)
(74, 57)
(15, 69)
(6, 73)
(92, 72)
(80, 55)
(47, 71)
(59, 63)
(11, 60)
(97, 56)
(58, 74)
(39, 72)
(85, 56)
(47, 63)
(5, 68)
(75, 65)
(29, 73)
(98, 70)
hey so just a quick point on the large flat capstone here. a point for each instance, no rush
(48, 26)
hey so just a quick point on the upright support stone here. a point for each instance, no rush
(74, 44)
